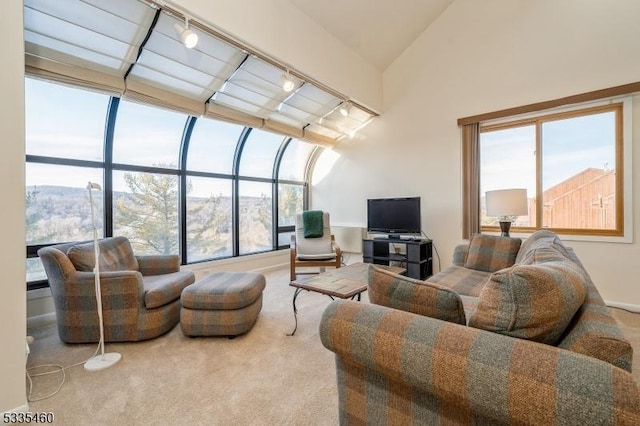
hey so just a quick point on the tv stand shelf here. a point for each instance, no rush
(416, 258)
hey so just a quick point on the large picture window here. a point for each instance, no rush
(570, 163)
(172, 183)
(209, 223)
(145, 209)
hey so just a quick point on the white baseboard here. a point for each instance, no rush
(24, 408)
(41, 320)
(40, 309)
(626, 306)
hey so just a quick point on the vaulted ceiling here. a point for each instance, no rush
(378, 30)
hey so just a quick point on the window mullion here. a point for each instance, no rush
(538, 153)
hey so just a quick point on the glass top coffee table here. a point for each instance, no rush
(347, 282)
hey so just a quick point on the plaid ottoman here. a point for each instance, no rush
(222, 304)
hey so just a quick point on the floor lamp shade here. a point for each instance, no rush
(504, 203)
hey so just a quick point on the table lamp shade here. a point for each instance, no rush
(507, 202)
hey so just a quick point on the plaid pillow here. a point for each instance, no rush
(491, 253)
(116, 254)
(534, 302)
(411, 295)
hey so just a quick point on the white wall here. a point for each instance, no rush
(12, 263)
(482, 56)
(281, 30)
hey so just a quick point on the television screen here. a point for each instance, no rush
(394, 215)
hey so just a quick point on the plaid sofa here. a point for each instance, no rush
(397, 367)
(140, 294)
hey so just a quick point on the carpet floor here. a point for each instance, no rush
(263, 377)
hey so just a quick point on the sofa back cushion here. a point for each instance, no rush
(116, 254)
(534, 302)
(419, 297)
(542, 239)
(491, 253)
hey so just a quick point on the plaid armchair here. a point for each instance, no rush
(140, 294)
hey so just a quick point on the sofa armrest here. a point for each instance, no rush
(158, 264)
(465, 375)
(460, 254)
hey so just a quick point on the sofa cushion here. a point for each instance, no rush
(534, 302)
(540, 239)
(419, 297)
(463, 281)
(116, 254)
(491, 253)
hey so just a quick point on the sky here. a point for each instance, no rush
(69, 123)
(569, 146)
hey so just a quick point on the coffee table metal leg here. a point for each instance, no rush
(295, 310)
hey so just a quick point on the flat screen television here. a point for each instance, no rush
(394, 216)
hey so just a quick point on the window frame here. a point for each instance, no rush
(622, 109)
(182, 173)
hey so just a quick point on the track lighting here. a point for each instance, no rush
(345, 108)
(287, 82)
(188, 37)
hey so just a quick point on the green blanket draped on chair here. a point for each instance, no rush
(312, 223)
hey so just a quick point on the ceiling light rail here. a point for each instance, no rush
(243, 47)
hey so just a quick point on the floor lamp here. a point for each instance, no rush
(104, 360)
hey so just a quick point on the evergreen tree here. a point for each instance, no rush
(289, 203)
(148, 214)
(208, 227)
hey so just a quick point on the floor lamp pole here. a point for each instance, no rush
(104, 360)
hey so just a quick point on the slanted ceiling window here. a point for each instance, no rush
(133, 49)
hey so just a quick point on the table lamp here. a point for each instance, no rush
(504, 203)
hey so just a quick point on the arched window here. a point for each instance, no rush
(255, 191)
(64, 129)
(172, 183)
(291, 186)
(209, 225)
(147, 136)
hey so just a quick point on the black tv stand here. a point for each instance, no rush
(417, 257)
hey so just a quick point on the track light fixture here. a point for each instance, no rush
(345, 108)
(287, 82)
(188, 37)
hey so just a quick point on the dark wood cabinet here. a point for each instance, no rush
(413, 255)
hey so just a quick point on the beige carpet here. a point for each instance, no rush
(261, 378)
